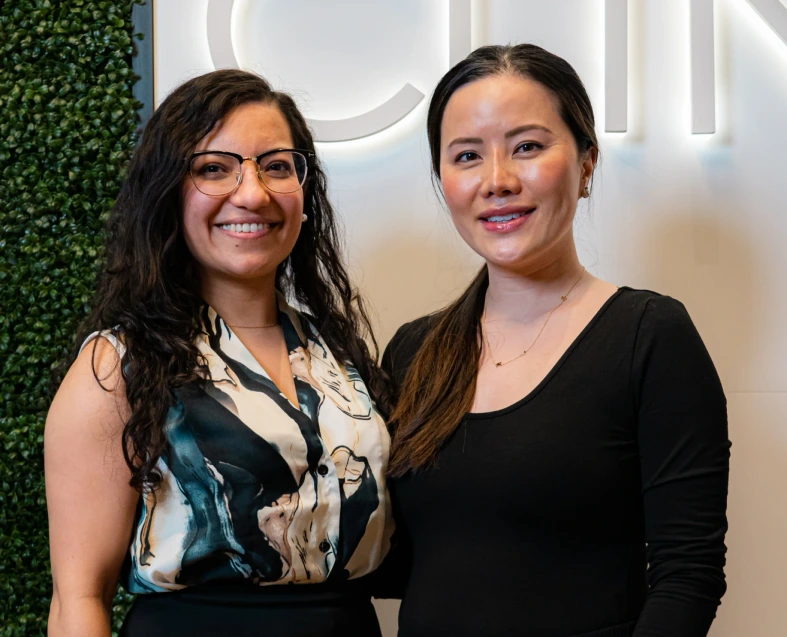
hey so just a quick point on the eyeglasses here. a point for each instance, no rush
(218, 172)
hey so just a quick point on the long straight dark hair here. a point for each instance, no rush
(149, 292)
(439, 385)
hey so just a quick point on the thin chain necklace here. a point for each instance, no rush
(549, 316)
(252, 327)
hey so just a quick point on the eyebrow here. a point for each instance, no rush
(513, 132)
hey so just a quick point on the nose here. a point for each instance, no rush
(251, 193)
(501, 177)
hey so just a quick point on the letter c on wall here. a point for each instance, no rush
(325, 130)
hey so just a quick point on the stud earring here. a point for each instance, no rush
(304, 217)
(586, 192)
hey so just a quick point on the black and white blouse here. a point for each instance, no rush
(257, 489)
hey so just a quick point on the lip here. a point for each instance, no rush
(505, 226)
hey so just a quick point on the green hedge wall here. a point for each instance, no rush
(67, 129)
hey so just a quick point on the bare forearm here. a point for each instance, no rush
(83, 617)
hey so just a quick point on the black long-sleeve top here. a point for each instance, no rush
(592, 507)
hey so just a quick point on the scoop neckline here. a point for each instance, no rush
(481, 415)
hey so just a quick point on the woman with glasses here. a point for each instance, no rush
(560, 446)
(215, 443)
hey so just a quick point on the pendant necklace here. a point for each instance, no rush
(549, 316)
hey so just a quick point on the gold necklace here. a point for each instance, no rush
(252, 327)
(549, 316)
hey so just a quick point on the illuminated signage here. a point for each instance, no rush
(703, 49)
(702, 52)
(369, 123)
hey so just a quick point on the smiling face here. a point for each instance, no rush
(511, 172)
(213, 227)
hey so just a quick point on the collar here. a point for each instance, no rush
(295, 317)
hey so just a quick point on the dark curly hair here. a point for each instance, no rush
(148, 293)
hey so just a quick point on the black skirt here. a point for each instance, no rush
(306, 610)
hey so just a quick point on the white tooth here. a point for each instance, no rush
(504, 218)
(245, 227)
(254, 227)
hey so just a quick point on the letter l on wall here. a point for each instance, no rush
(703, 81)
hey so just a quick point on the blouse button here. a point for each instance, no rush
(322, 470)
(325, 546)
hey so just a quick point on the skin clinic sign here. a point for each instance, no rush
(407, 97)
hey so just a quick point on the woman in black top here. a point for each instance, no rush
(560, 455)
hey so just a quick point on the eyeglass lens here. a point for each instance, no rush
(217, 174)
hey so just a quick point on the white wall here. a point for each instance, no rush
(701, 218)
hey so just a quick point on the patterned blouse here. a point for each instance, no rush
(256, 489)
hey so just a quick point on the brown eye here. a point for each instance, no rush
(468, 155)
(528, 147)
(213, 169)
(279, 169)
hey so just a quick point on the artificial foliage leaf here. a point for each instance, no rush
(67, 130)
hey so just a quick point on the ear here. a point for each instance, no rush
(587, 165)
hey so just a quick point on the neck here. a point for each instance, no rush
(523, 294)
(243, 303)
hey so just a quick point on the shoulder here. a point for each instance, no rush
(405, 343)
(639, 300)
(107, 341)
(409, 337)
(652, 311)
(656, 312)
(667, 339)
(90, 406)
(100, 356)
(413, 333)
(94, 382)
